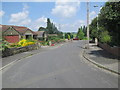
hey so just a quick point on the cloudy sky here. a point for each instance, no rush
(67, 16)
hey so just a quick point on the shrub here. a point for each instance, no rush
(25, 42)
(44, 43)
(105, 37)
(5, 45)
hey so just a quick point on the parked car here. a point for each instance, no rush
(75, 39)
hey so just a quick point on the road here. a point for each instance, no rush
(61, 67)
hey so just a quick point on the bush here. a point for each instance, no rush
(44, 43)
(5, 45)
(25, 42)
(105, 37)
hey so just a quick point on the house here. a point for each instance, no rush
(13, 34)
(41, 35)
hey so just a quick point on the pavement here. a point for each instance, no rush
(58, 67)
(102, 58)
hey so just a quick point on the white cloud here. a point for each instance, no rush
(2, 13)
(72, 27)
(21, 18)
(40, 22)
(65, 9)
(93, 14)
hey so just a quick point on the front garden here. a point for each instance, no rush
(24, 45)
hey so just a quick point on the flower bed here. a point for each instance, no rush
(15, 50)
(22, 46)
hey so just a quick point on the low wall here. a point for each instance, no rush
(113, 50)
(12, 51)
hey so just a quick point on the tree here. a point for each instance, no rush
(93, 29)
(109, 18)
(85, 31)
(51, 28)
(80, 34)
(105, 37)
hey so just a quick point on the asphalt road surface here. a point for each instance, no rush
(61, 67)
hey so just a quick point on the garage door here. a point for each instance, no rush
(12, 39)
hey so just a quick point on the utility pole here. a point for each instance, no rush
(88, 24)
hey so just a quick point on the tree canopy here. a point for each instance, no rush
(51, 28)
(109, 19)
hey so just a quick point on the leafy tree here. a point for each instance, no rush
(93, 29)
(109, 18)
(105, 37)
(85, 31)
(108, 24)
(68, 36)
(51, 28)
(80, 34)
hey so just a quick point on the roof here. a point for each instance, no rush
(40, 33)
(4, 27)
(20, 29)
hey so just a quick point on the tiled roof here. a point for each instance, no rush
(39, 33)
(20, 29)
(4, 27)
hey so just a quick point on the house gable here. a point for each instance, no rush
(10, 31)
(28, 32)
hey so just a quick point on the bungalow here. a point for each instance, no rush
(13, 34)
(41, 35)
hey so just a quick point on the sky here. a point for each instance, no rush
(67, 16)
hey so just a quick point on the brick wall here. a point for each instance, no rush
(113, 50)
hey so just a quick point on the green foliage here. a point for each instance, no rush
(85, 30)
(60, 35)
(85, 38)
(68, 36)
(105, 37)
(51, 28)
(44, 43)
(93, 28)
(5, 45)
(108, 19)
(80, 34)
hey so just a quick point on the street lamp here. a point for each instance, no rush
(88, 24)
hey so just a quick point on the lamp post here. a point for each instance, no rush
(88, 24)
